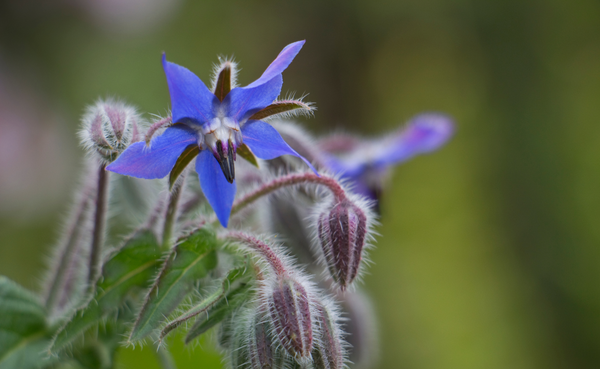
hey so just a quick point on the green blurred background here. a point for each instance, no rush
(489, 252)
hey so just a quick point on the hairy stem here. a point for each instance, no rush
(59, 275)
(261, 248)
(289, 180)
(171, 214)
(99, 225)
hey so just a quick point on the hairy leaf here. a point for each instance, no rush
(132, 266)
(188, 262)
(234, 279)
(24, 334)
(235, 297)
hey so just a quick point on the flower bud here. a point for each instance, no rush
(329, 351)
(290, 313)
(108, 128)
(342, 233)
(261, 350)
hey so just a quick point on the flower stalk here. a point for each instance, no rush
(171, 214)
(99, 224)
(336, 189)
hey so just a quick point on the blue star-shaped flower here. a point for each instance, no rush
(366, 163)
(214, 126)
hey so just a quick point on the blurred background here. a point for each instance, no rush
(489, 255)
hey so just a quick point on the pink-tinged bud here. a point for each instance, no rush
(108, 128)
(290, 313)
(329, 350)
(261, 350)
(342, 232)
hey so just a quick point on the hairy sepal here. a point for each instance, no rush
(24, 333)
(244, 151)
(283, 108)
(133, 266)
(192, 259)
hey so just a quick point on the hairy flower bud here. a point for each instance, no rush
(342, 233)
(261, 350)
(108, 128)
(329, 350)
(290, 312)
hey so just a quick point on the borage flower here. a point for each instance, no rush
(365, 163)
(215, 127)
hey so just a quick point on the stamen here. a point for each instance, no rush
(226, 160)
(231, 158)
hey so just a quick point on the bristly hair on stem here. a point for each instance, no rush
(67, 275)
(156, 126)
(294, 179)
(171, 212)
(99, 225)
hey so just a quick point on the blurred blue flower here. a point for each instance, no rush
(217, 125)
(365, 163)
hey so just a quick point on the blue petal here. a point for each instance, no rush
(217, 190)
(280, 63)
(242, 102)
(423, 134)
(266, 143)
(191, 100)
(156, 161)
(349, 168)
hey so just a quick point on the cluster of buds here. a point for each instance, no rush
(290, 324)
(108, 128)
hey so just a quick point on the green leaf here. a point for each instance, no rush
(100, 345)
(24, 334)
(188, 262)
(234, 279)
(236, 296)
(184, 159)
(132, 266)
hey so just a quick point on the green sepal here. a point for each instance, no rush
(182, 162)
(132, 266)
(24, 333)
(244, 151)
(234, 279)
(279, 107)
(192, 259)
(237, 294)
(223, 85)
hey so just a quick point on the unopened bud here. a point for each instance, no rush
(290, 313)
(261, 350)
(329, 351)
(342, 233)
(108, 128)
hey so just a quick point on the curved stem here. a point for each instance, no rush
(261, 248)
(289, 180)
